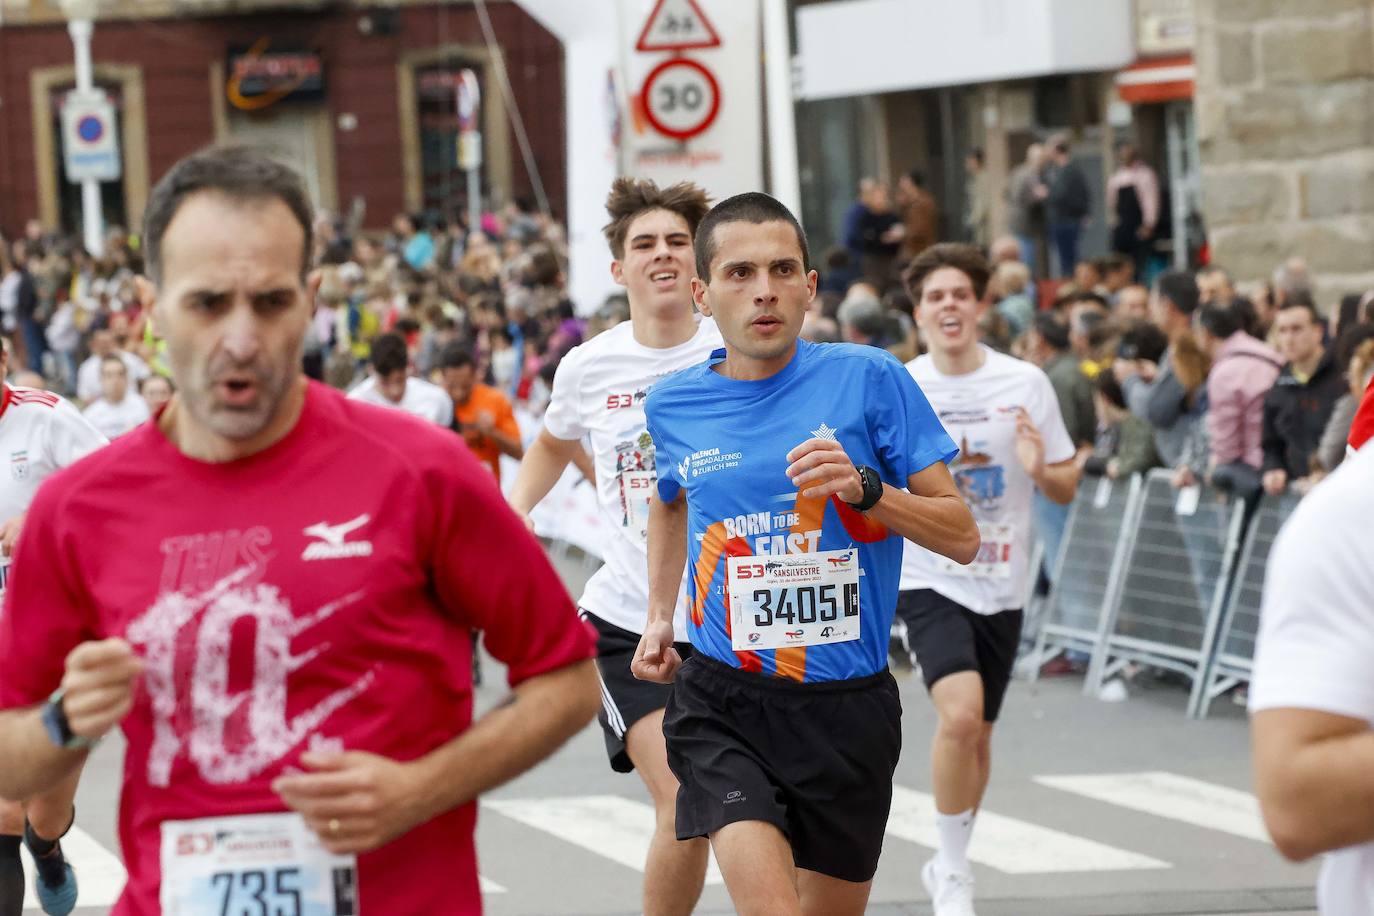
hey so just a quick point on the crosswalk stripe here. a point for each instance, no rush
(616, 828)
(1008, 845)
(100, 874)
(1202, 804)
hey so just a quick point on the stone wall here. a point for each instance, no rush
(1285, 113)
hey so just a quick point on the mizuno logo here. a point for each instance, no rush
(331, 545)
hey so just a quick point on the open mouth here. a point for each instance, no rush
(664, 279)
(951, 326)
(237, 390)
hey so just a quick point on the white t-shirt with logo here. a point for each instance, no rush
(1317, 638)
(978, 409)
(421, 398)
(40, 433)
(599, 391)
(114, 420)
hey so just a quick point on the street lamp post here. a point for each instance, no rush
(81, 26)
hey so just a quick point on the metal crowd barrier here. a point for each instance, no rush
(1183, 546)
(1233, 661)
(1088, 569)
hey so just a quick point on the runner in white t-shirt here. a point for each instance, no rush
(40, 433)
(1312, 693)
(392, 385)
(117, 410)
(103, 344)
(964, 622)
(599, 392)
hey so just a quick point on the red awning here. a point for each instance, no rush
(1163, 79)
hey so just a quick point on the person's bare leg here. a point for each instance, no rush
(822, 895)
(756, 862)
(984, 761)
(676, 869)
(955, 770)
(50, 814)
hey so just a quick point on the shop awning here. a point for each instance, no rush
(1165, 79)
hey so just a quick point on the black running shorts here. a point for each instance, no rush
(624, 698)
(815, 760)
(948, 638)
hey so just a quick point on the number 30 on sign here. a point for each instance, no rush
(681, 98)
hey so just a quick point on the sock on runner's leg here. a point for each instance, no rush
(11, 877)
(955, 832)
(47, 855)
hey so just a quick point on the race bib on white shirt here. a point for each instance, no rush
(800, 599)
(994, 554)
(635, 489)
(256, 864)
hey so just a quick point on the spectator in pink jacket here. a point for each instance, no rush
(1243, 371)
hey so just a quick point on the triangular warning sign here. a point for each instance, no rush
(677, 25)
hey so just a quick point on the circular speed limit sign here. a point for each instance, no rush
(681, 98)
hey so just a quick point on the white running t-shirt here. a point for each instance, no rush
(114, 420)
(978, 410)
(40, 433)
(88, 376)
(1317, 638)
(599, 391)
(421, 398)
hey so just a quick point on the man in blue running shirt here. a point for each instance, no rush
(790, 474)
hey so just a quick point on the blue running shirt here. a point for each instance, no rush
(725, 442)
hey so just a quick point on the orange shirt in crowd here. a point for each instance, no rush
(486, 399)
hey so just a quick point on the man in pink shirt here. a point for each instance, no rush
(279, 607)
(1243, 371)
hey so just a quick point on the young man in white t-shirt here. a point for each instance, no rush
(40, 433)
(392, 385)
(964, 622)
(117, 410)
(103, 344)
(599, 392)
(1312, 693)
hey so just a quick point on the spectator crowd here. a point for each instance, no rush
(455, 324)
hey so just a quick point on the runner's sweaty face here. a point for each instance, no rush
(233, 309)
(759, 291)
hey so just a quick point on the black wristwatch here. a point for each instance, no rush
(58, 728)
(873, 489)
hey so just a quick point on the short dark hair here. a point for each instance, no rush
(1221, 321)
(240, 172)
(1179, 287)
(1142, 340)
(961, 257)
(1053, 331)
(114, 358)
(155, 377)
(1302, 299)
(1111, 263)
(752, 207)
(630, 197)
(389, 354)
(456, 356)
(1106, 385)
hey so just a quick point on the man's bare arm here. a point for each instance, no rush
(99, 688)
(1314, 775)
(357, 802)
(544, 463)
(931, 513)
(656, 659)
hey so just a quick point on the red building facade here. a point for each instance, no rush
(375, 133)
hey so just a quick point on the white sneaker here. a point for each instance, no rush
(950, 891)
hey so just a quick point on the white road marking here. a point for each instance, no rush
(1192, 801)
(1011, 846)
(616, 828)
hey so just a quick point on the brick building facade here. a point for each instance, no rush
(381, 130)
